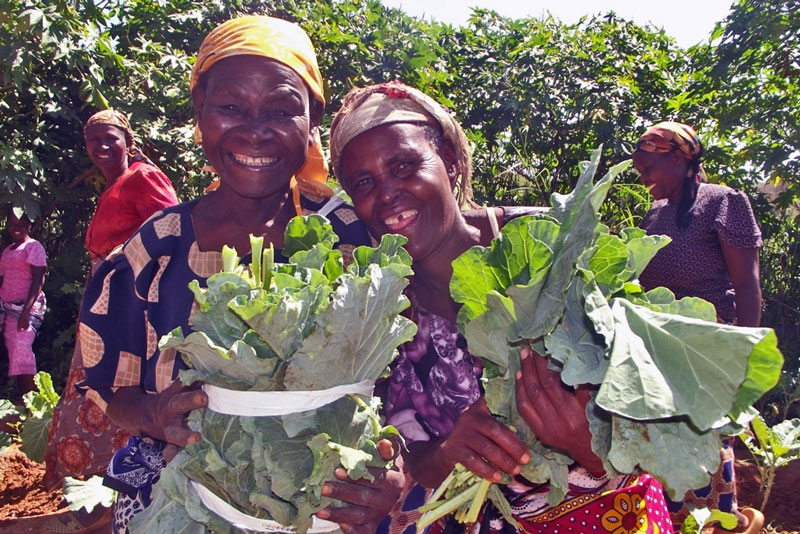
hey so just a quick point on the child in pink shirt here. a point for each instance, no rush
(22, 267)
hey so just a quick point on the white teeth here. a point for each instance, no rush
(251, 161)
(400, 217)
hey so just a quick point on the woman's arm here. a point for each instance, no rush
(744, 272)
(37, 280)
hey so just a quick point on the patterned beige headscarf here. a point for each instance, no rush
(287, 43)
(372, 106)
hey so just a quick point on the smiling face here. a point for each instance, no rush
(254, 117)
(18, 228)
(107, 149)
(663, 173)
(399, 184)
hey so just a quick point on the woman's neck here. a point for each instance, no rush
(112, 175)
(222, 218)
(432, 275)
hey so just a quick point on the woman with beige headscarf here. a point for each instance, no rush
(258, 99)
(405, 163)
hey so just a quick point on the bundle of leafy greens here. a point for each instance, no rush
(306, 325)
(668, 379)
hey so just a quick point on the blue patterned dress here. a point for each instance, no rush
(141, 293)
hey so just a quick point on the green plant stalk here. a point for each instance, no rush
(256, 247)
(434, 498)
(268, 262)
(447, 507)
(229, 259)
(477, 502)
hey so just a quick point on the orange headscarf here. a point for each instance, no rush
(287, 43)
(671, 136)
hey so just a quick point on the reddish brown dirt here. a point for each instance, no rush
(25, 505)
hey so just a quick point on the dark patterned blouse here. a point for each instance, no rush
(693, 264)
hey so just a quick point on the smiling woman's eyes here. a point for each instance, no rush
(404, 168)
(362, 183)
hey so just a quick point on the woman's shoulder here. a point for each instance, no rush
(32, 246)
(343, 219)
(141, 172)
(723, 197)
(166, 226)
(489, 220)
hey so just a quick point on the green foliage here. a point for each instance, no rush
(534, 95)
(700, 517)
(772, 448)
(35, 418)
(88, 493)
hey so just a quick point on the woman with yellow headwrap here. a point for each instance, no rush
(258, 99)
(713, 255)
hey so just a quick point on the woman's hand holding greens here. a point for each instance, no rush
(555, 414)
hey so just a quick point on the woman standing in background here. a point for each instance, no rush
(713, 255)
(22, 267)
(82, 438)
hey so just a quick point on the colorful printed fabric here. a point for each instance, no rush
(693, 264)
(19, 343)
(433, 380)
(15, 269)
(720, 494)
(147, 283)
(122, 208)
(82, 439)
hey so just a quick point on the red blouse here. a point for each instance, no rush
(141, 191)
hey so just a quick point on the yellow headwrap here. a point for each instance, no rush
(287, 43)
(671, 136)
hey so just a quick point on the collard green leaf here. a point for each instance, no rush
(574, 343)
(683, 365)
(609, 263)
(642, 249)
(305, 233)
(334, 328)
(487, 335)
(578, 216)
(34, 437)
(662, 449)
(88, 493)
(362, 318)
(521, 256)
